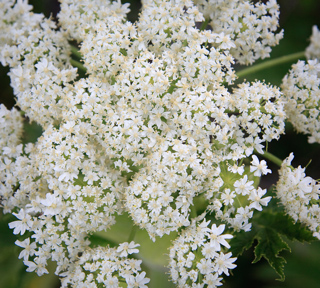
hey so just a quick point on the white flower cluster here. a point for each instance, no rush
(301, 87)
(109, 267)
(11, 128)
(78, 17)
(59, 203)
(238, 195)
(300, 195)
(38, 55)
(313, 50)
(198, 258)
(250, 26)
(150, 127)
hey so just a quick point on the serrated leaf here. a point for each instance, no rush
(268, 230)
(285, 225)
(242, 241)
(269, 246)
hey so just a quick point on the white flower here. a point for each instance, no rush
(127, 248)
(313, 50)
(251, 27)
(228, 196)
(297, 193)
(22, 225)
(205, 266)
(224, 262)
(208, 264)
(138, 281)
(29, 249)
(146, 133)
(52, 204)
(259, 167)
(301, 88)
(37, 266)
(257, 200)
(217, 238)
(243, 186)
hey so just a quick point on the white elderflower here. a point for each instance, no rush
(313, 50)
(127, 248)
(259, 167)
(24, 223)
(10, 127)
(109, 267)
(236, 198)
(216, 239)
(251, 27)
(147, 128)
(261, 114)
(210, 246)
(29, 249)
(243, 186)
(299, 195)
(301, 88)
(79, 16)
(257, 200)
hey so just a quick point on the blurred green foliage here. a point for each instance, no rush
(302, 269)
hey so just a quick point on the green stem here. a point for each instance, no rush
(274, 159)
(77, 64)
(193, 212)
(204, 24)
(132, 233)
(270, 63)
(75, 51)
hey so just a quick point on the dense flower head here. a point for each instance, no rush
(108, 267)
(252, 27)
(148, 127)
(301, 87)
(38, 55)
(235, 196)
(59, 203)
(78, 17)
(261, 111)
(299, 195)
(200, 255)
(11, 127)
(313, 50)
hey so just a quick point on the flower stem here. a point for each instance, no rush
(77, 64)
(204, 24)
(274, 159)
(193, 212)
(270, 63)
(75, 51)
(132, 233)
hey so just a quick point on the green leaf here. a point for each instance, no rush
(285, 225)
(241, 242)
(270, 231)
(270, 244)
